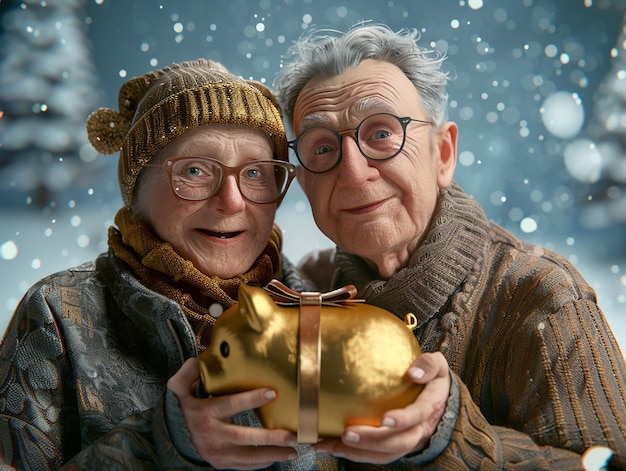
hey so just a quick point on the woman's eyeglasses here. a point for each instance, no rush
(199, 178)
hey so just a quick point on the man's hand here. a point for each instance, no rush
(405, 430)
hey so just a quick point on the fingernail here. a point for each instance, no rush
(416, 373)
(389, 422)
(292, 456)
(353, 437)
(271, 394)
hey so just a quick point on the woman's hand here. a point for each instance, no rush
(404, 430)
(219, 442)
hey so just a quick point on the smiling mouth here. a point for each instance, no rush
(366, 208)
(220, 235)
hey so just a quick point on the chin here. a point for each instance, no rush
(224, 263)
(225, 272)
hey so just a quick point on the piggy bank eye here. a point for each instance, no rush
(224, 349)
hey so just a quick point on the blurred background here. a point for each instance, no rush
(538, 91)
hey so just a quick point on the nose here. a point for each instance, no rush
(354, 167)
(229, 199)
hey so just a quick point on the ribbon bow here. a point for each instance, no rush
(284, 296)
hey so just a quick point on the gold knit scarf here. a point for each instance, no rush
(161, 269)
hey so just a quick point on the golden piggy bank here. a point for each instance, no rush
(344, 364)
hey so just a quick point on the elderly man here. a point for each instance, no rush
(521, 368)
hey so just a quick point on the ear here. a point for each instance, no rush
(447, 136)
(255, 306)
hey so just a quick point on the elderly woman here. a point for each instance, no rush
(85, 361)
(536, 377)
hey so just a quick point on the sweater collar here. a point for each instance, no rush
(453, 245)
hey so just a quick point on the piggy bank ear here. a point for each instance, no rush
(255, 306)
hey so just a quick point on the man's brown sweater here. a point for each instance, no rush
(538, 374)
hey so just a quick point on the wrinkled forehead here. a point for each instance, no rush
(371, 87)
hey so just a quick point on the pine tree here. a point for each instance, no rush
(606, 209)
(47, 89)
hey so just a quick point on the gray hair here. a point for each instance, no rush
(328, 53)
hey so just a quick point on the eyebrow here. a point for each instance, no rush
(370, 104)
(312, 120)
(359, 109)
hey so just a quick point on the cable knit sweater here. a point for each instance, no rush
(540, 376)
(84, 364)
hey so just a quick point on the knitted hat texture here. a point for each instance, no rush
(157, 107)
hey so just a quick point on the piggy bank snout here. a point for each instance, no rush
(213, 365)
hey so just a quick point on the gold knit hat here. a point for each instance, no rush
(157, 107)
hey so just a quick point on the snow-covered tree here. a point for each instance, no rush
(47, 89)
(607, 206)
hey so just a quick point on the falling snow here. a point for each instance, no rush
(538, 89)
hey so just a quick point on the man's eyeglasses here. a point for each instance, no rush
(379, 137)
(199, 178)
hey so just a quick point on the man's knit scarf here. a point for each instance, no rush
(454, 243)
(161, 269)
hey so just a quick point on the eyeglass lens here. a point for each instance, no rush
(379, 137)
(199, 179)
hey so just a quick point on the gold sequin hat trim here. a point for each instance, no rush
(157, 107)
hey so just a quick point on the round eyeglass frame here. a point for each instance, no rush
(404, 122)
(227, 170)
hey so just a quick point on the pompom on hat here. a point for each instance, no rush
(157, 107)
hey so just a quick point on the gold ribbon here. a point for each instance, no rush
(309, 367)
(284, 296)
(309, 354)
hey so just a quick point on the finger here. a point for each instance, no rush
(386, 446)
(384, 440)
(426, 411)
(430, 369)
(341, 450)
(182, 382)
(327, 445)
(258, 436)
(230, 404)
(222, 444)
(429, 406)
(427, 367)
